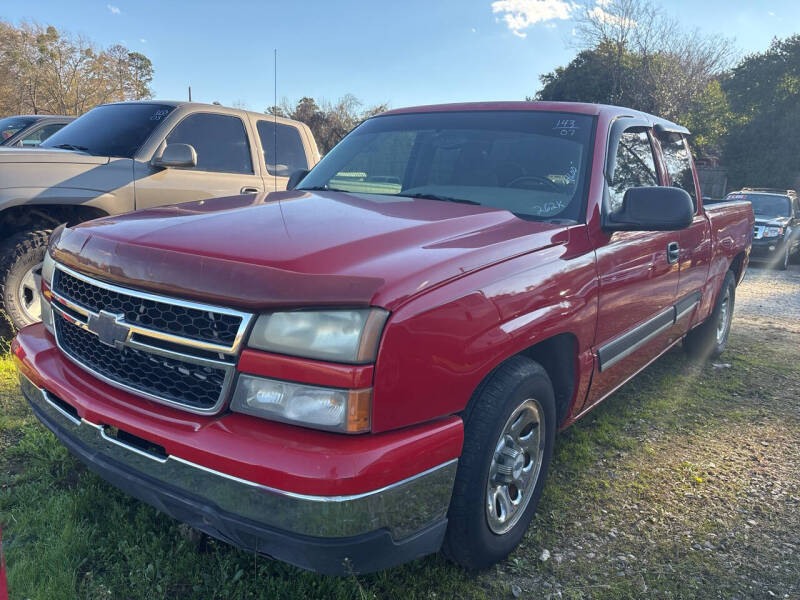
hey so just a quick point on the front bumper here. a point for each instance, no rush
(767, 249)
(341, 534)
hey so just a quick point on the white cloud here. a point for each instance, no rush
(142, 40)
(114, 10)
(522, 14)
(605, 17)
(771, 13)
(474, 30)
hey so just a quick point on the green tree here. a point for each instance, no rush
(328, 122)
(764, 91)
(44, 70)
(633, 55)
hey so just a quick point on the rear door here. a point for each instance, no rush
(284, 151)
(638, 276)
(225, 165)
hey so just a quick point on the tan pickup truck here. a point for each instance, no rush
(127, 156)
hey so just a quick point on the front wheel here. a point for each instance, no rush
(21, 259)
(509, 433)
(784, 262)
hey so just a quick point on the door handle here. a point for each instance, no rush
(249, 190)
(673, 252)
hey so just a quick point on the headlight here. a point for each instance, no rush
(349, 336)
(334, 409)
(773, 231)
(48, 270)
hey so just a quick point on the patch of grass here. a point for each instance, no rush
(653, 494)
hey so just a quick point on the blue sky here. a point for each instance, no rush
(404, 52)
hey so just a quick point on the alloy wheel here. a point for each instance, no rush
(515, 466)
(29, 294)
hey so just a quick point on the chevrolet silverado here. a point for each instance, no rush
(373, 366)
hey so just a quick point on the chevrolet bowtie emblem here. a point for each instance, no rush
(108, 329)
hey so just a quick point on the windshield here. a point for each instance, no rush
(11, 125)
(110, 130)
(532, 164)
(766, 205)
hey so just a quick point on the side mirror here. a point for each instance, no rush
(296, 178)
(176, 155)
(652, 209)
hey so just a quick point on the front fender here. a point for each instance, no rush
(437, 349)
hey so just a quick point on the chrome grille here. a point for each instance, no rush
(180, 382)
(758, 232)
(179, 353)
(217, 328)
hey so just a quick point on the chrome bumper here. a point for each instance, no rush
(403, 508)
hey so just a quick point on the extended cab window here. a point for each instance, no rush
(679, 163)
(531, 163)
(286, 139)
(635, 167)
(219, 140)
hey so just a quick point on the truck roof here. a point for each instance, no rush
(535, 105)
(182, 103)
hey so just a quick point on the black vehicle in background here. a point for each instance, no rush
(776, 235)
(28, 131)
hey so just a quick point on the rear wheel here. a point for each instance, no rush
(20, 276)
(709, 339)
(508, 443)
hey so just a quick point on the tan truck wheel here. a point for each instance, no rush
(21, 259)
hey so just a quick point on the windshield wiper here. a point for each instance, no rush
(442, 198)
(72, 147)
(321, 188)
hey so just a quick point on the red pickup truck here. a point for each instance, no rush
(373, 366)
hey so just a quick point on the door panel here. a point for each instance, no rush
(638, 279)
(695, 253)
(225, 165)
(638, 288)
(695, 262)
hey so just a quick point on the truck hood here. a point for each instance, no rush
(300, 248)
(773, 221)
(49, 155)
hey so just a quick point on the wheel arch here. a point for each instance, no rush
(45, 216)
(737, 266)
(558, 356)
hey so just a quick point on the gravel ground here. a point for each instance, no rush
(765, 294)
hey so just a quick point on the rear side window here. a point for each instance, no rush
(12, 125)
(679, 164)
(635, 167)
(291, 153)
(40, 135)
(219, 140)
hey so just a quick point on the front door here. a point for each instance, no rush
(224, 163)
(638, 275)
(695, 240)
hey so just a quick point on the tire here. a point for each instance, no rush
(517, 391)
(709, 339)
(784, 263)
(21, 257)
